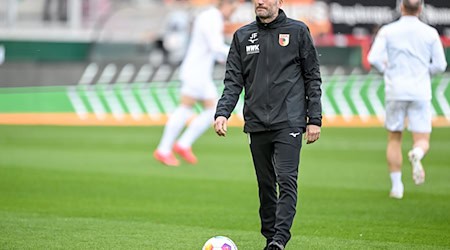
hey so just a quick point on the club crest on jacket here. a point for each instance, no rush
(283, 39)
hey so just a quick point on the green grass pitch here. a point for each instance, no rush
(99, 188)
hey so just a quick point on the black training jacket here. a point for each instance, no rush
(277, 65)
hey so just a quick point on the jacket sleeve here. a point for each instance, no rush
(378, 55)
(309, 64)
(233, 81)
(438, 62)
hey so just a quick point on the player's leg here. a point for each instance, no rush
(395, 160)
(198, 126)
(287, 145)
(394, 123)
(172, 129)
(419, 116)
(261, 149)
(420, 148)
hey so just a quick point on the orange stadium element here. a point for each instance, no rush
(71, 119)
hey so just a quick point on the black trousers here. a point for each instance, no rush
(276, 157)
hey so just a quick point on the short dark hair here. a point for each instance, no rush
(412, 6)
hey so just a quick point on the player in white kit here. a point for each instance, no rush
(207, 45)
(407, 51)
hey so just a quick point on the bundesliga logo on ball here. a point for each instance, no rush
(219, 243)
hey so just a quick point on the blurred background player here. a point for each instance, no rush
(407, 51)
(2, 54)
(61, 10)
(206, 46)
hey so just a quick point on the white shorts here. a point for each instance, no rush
(205, 90)
(417, 113)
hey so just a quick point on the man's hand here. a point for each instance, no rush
(220, 125)
(312, 133)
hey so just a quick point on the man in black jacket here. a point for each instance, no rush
(275, 61)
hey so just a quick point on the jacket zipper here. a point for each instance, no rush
(267, 80)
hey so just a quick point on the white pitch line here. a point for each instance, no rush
(126, 92)
(165, 99)
(341, 102)
(113, 103)
(358, 102)
(95, 103)
(440, 97)
(144, 94)
(131, 102)
(107, 90)
(434, 95)
(338, 71)
(149, 103)
(77, 102)
(86, 78)
(328, 109)
(162, 73)
(89, 74)
(376, 103)
(108, 74)
(126, 74)
(143, 74)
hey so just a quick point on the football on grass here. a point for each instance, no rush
(219, 243)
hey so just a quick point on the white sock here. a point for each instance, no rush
(173, 128)
(396, 179)
(418, 152)
(197, 127)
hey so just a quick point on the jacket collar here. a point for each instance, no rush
(275, 23)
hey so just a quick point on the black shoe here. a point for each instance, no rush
(267, 244)
(274, 245)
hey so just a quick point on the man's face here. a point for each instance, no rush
(266, 9)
